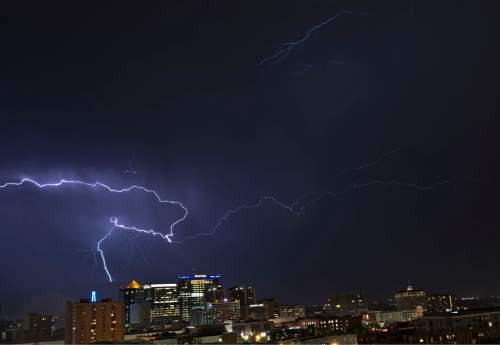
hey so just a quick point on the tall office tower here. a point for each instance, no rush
(214, 293)
(192, 291)
(94, 322)
(164, 302)
(246, 296)
(129, 296)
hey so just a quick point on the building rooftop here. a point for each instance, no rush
(134, 285)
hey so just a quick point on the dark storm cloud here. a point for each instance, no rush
(177, 83)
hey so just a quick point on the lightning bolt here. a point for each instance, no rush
(113, 220)
(296, 208)
(353, 186)
(116, 224)
(288, 47)
(343, 172)
(101, 253)
(299, 211)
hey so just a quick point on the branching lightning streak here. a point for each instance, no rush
(296, 208)
(361, 167)
(101, 253)
(113, 220)
(353, 186)
(117, 225)
(292, 208)
(288, 47)
(239, 208)
(408, 185)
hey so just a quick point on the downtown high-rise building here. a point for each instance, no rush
(245, 295)
(130, 295)
(90, 321)
(192, 291)
(214, 293)
(163, 301)
(150, 304)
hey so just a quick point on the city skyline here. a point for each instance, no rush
(107, 291)
(197, 308)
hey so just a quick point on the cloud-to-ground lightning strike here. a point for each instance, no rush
(287, 48)
(113, 220)
(101, 253)
(296, 208)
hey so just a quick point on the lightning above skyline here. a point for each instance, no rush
(264, 141)
(296, 208)
(113, 220)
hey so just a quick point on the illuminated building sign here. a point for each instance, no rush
(202, 276)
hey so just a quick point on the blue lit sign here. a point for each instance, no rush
(200, 276)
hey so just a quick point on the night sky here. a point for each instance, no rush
(174, 85)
